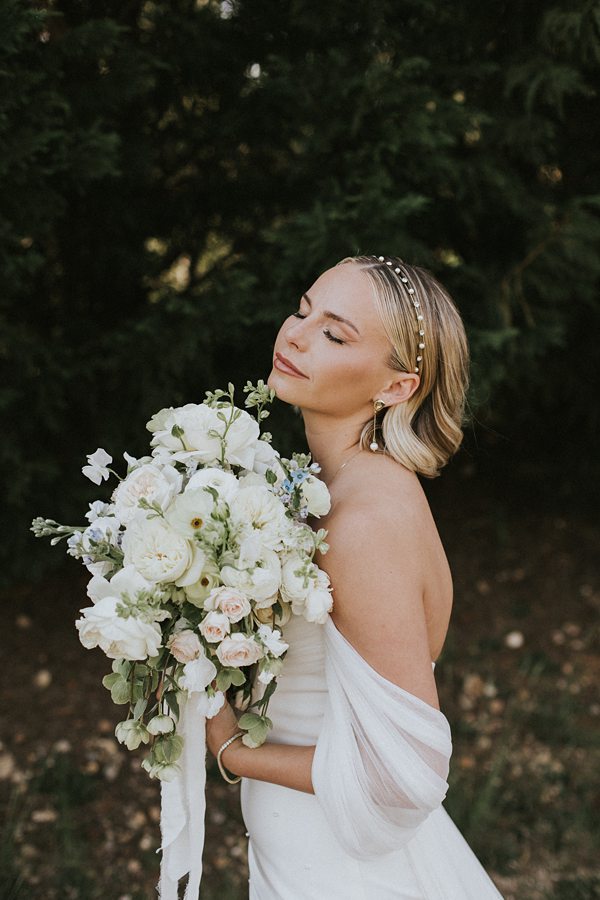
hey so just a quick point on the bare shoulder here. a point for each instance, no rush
(384, 562)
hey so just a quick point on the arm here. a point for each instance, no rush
(286, 764)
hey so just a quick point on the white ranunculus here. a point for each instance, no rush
(101, 626)
(159, 553)
(258, 584)
(230, 601)
(316, 495)
(319, 601)
(190, 513)
(194, 420)
(239, 650)
(210, 706)
(150, 482)
(225, 483)
(240, 441)
(292, 585)
(271, 638)
(256, 511)
(214, 626)
(197, 674)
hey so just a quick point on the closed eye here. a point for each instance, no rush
(326, 331)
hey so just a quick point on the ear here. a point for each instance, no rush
(400, 389)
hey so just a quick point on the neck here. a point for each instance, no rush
(331, 441)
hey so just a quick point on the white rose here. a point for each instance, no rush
(214, 627)
(319, 601)
(259, 584)
(256, 511)
(185, 645)
(225, 483)
(160, 554)
(240, 440)
(101, 626)
(197, 674)
(230, 601)
(271, 638)
(292, 585)
(150, 482)
(194, 420)
(239, 650)
(190, 513)
(210, 706)
(316, 496)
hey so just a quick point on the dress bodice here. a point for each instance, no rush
(296, 707)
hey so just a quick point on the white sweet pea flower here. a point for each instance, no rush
(101, 626)
(150, 482)
(319, 601)
(271, 638)
(265, 677)
(316, 495)
(225, 483)
(210, 706)
(214, 627)
(96, 470)
(104, 528)
(160, 554)
(197, 674)
(98, 509)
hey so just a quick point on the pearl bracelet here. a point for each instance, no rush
(220, 751)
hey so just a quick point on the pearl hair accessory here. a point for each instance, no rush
(416, 304)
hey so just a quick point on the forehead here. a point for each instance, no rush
(346, 290)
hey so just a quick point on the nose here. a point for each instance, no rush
(293, 332)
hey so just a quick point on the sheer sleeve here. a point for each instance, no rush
(381, 758)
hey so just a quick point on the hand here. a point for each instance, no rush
(221, 727)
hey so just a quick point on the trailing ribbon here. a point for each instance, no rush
(183, 807)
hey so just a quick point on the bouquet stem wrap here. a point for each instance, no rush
(183, 806)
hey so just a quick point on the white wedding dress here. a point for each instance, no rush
(375, 828)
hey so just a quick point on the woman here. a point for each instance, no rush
(344, 799)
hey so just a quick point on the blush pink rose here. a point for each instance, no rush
(185, 646)
(233, 603)
(215, 626)
(239, 650)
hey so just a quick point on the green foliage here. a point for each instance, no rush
(176, 174)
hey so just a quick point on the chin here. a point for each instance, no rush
(283, 386)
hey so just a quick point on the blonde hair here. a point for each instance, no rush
(425, 431)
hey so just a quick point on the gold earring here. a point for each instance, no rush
(377, 407)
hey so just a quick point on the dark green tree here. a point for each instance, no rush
(175, 174)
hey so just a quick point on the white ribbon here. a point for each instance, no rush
(183, 807)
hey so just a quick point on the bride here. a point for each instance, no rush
(344, 800)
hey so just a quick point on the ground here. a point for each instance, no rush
(517, 680)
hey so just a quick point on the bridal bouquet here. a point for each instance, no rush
(200, 553)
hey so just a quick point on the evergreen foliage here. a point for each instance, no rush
(176, 174)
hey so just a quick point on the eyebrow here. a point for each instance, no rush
(334, 316)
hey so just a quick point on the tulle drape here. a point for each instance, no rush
(381, 758)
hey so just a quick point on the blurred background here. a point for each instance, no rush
(174, 176)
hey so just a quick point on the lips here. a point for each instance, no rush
(289, 365)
